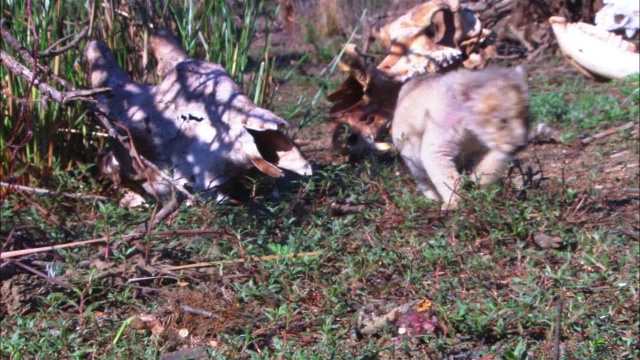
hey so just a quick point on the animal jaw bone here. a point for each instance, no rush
(595, 52)
(196, 122)
(436, 36)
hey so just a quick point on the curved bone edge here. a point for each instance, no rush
(470, 25)
(167, 50)
(276, 148)
(266, 167)
(592, 51)
(617, 15)
(418, 54)
(263, 119)
(414, 21)
(102, 65)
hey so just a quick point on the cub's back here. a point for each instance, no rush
(417, 100)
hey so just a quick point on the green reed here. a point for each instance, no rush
(50, 135)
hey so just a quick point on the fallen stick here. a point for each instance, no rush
(558, 329)
(39, 191)
(237, 261)
(42, 275)
(197, 311)
(14, 253)
(606, 133)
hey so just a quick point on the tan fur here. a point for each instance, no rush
(461, 122)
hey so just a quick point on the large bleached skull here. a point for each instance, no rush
(619, 15)
(196, 123)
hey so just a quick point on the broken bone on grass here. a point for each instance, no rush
(413, 318)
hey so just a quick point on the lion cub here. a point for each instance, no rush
(463, 122)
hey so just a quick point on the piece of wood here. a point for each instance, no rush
(39, 191)
(134, 235)
(237, 261)
(609, 132)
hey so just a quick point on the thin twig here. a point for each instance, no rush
(85, 95)
(41, 274)
(606, 133)
(169, 208)
(147, 278)
(29, 58)
(14, 253)
(626, 100)
(39, 191)
(237, 261)
(58, 96)
(51, 51)
(558, 332)
(48, 215)
(22, 71)
(197, 311)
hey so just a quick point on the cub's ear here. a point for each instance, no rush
(466, 85)
(470, 85)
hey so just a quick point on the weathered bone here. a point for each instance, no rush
(196, 122)
(595, 52)
(619, 15)
(428, 38)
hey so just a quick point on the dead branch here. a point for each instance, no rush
(238, 261)
(134, 236)
(58, 96)
(39, 191)
(41, 274)
(84, 95)
(197, 311)
(51, 51)
(29, 60)
(604, 134)
(22, 71)
(558, 328)
(169, 208)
